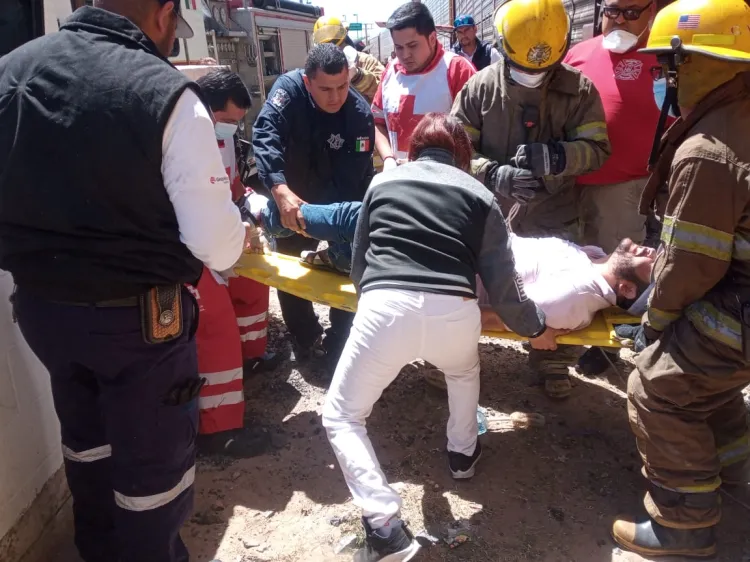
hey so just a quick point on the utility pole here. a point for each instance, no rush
(356, 19)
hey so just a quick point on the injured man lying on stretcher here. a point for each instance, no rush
(569, 283)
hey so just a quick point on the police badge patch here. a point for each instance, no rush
(539, 54)
(335, 141)
(280, 99)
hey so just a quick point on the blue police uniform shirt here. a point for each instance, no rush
(322, 157)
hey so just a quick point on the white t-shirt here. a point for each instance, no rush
(560, 278)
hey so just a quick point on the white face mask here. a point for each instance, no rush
(620, 41)
(225, 131)
(527, 80)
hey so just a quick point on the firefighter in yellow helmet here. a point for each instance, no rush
(684, 398)
(536, 124)
(365, 70)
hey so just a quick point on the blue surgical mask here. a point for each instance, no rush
(225, 131)
(660, 94)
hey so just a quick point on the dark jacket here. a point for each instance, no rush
(482, 56)
(322, 157)
(84, 214)
(427, 226)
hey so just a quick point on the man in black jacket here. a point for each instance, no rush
(313, 143)
(113, 197)
(480, 53)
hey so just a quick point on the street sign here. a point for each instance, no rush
(356, 26)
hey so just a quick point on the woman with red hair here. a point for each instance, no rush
(424, 231)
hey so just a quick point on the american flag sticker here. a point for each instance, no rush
(362, 144)
(689, 22)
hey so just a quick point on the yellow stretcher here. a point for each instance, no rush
(288, 275)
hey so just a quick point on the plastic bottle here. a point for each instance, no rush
(481, 421)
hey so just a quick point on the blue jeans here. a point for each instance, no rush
(334, 223)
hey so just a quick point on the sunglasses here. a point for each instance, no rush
(628, 14)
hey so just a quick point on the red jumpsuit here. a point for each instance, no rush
(232, 327)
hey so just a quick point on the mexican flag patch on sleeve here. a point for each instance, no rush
(362, 144)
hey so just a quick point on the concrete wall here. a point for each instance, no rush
(30, 451)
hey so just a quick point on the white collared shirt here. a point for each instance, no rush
(198, 186)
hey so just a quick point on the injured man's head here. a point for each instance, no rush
(572, 283)
(630, 266)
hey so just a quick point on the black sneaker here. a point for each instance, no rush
(463, 467)
(398, 546)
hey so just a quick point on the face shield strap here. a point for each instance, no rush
(673, 60)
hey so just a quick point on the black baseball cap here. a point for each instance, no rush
(184, 31)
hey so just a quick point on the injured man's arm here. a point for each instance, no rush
(570, 284)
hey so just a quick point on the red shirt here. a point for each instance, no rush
(403, 99)
(229, 158)
(626, 87)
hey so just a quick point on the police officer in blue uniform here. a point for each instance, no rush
(313, 143)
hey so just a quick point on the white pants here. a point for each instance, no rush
(391, 328)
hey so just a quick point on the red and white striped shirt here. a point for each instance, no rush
(403, 99)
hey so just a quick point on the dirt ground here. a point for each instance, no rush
(542, 494)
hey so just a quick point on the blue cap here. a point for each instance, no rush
(463, 21)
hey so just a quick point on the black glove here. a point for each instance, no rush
(636, 334)
(541, 159)
(511, 182)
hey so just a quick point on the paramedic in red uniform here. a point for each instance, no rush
(424, 78)
(609, 197)
(233, 310)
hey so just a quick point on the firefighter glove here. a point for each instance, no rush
(541, 159)
(514, 183)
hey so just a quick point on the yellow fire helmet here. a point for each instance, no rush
(498, 21)
(719, 29)
(534, 34)
(329, 29)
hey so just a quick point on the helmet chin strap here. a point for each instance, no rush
(674, 60)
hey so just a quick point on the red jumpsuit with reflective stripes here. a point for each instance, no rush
(222, 399)
(249, 298)
(229, 328)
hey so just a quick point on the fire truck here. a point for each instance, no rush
(260, 40)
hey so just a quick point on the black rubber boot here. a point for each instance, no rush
(265, 364)
(242, 443)
(594, 362)
(649, 539)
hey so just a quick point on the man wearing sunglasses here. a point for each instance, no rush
(609, 197)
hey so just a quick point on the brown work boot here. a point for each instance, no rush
(557, 386)
(649, 539)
